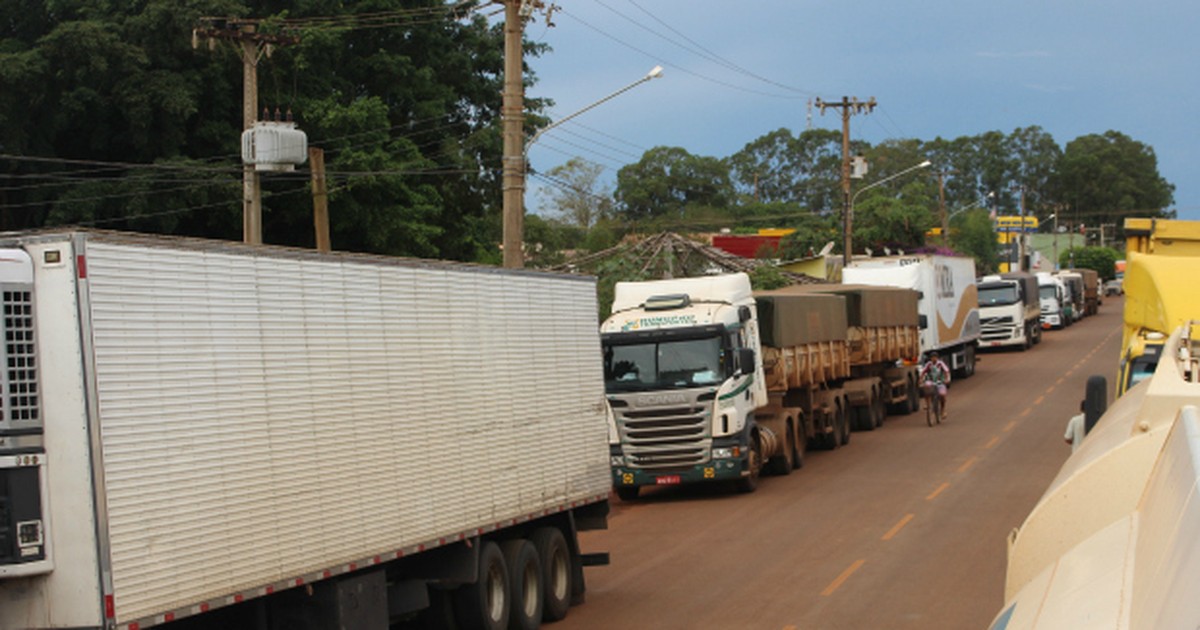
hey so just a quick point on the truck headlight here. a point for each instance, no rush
(723, 453)
(616, 460)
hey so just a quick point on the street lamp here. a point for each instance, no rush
(847, 220)
(514, 204)
(974, 204)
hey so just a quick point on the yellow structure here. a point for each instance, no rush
(1162, 259)
(1010, 231)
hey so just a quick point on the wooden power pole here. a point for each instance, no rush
(251, 46)
(513, 115)
(941, 175)
(848, 106)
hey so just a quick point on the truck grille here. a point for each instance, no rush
(673, 436)
(19, 378)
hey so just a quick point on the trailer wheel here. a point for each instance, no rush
(484, 604)
(797, 448)
(783, 463)
(913, 399)
(879, 411)
(557, 579)
(968, 368)
(844, 417)
(524, 584)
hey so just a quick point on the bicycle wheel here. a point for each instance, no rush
(930, 401)
(937, 408)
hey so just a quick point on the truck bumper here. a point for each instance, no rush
(723, 469)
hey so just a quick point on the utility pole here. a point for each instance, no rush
(251, 46)
(316, 161)
(941, 175)
(848, 106)
(1021, 266)
(512, 113)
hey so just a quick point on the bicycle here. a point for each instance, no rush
(933, 404)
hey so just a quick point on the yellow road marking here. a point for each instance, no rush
(939, 490)
(1061, 380)
(833, 586)
(1025, 413)
(992, 442)
(897, 527)
(1038, 400)
(1009, 427)
(967, 464)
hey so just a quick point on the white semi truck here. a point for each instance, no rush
(227, 436)
(709, 381)
(1051, 298)
(1009, 310)
(948, 304)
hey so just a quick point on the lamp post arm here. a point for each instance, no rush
(887, 179)
(653, 74)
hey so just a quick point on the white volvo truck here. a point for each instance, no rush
(214, 435)
(1009, 310)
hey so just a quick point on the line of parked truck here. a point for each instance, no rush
(708, 380)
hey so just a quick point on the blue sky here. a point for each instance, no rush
(734, 71)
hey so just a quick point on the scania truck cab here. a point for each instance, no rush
(683, 376)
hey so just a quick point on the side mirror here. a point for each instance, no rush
(923, 321)
(745, 360)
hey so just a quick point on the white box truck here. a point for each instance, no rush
(948, 304)
(1052, 295)
(220, 435)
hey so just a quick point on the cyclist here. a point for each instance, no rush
(935, 376)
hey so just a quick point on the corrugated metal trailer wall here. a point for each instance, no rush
(266, 415)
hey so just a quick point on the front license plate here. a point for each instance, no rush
(667, 480)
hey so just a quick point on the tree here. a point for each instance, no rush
(1102, 259)
(1104, 178)
(668, 183)
(972, 233)
(576, 195)
(804, 170)
(407, 112)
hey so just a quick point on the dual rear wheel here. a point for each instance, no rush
(522, 582)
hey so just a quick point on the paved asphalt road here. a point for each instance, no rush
(905, 527)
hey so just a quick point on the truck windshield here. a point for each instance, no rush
(663, 364)
(1047, 292)
(998, 294)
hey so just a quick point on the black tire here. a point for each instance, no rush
(879, 411)
(968, 368)
(1095, 401)
(782, 464)
(863, 418)
(797, 448)
(844, 415)
(484, 605)
(557, 577)
(525, 584)
(749, 484)
(914, 396)
(628, 493)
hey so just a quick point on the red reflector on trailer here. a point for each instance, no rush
(169, 617)
(109, 609)
(81, 265)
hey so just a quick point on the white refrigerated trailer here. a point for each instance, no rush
(232, 436)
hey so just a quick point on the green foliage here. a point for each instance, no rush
(972, 233)
(408, 117)
(812, 234)
(1104, 177)
(767, 277)
(668, 183)
(577, 196)
(1102, 259)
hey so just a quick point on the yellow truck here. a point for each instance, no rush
(1162, 257)
(1115, 540)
